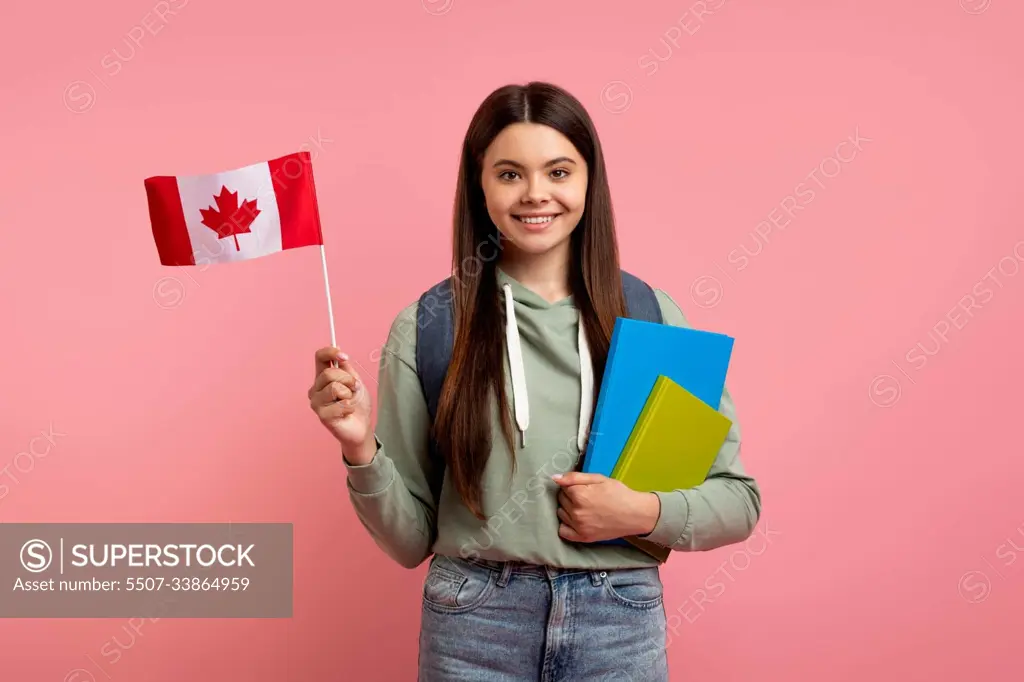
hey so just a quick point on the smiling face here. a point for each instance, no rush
(535, 184)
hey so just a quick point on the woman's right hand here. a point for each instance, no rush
(340, 399)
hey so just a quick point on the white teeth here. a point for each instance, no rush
(537, 221)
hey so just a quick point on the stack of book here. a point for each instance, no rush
(656, 425)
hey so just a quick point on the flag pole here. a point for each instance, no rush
(327, 288)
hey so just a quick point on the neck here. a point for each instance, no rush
(547, 273)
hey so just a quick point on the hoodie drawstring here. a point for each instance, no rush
(520, 399)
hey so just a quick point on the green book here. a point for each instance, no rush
(673, 445)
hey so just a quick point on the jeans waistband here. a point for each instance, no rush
(523, 567)
(506, 569)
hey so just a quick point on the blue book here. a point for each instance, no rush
(640, 351)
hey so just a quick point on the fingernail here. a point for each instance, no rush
(556, 476)
(343, 356)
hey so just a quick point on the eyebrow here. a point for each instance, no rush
(552, 162)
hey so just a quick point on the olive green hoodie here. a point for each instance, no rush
(407, 503)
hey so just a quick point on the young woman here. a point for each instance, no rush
(518, 585)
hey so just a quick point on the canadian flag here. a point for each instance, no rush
(235, 215)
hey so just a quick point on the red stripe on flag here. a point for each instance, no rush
(168, 220)
(292, 179)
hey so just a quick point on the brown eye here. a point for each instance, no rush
(561, 170)
(504, 175)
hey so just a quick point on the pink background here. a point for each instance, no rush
(891, 478)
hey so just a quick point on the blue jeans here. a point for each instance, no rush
(485, 621)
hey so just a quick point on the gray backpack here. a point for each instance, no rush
(435, 331)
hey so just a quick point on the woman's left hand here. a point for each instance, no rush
(593, 507)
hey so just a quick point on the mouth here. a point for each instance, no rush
(536, 221)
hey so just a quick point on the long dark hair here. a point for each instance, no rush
(462, 424)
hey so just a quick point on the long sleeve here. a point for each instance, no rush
(395, 495)
(726, 507)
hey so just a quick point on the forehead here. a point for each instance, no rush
(530, 144)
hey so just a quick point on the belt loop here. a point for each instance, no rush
(506, 573)
(597, 577)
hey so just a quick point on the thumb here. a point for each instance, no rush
(577, 478)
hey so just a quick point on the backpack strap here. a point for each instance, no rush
(435, 329)
(435, 338)
(641, 302)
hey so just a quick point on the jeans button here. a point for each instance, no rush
(603, 574)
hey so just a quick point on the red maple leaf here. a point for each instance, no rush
(229, 219)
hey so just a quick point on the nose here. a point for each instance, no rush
(537, 191)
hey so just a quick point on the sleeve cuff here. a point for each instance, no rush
(372, 478)
(673, 522)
